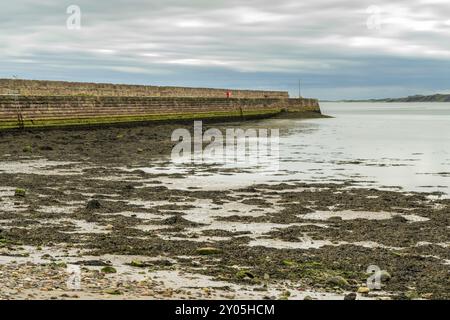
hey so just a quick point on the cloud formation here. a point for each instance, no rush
(340, 49)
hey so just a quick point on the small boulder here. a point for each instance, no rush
(363, 290)
(337, 281)
(137, 264)
(108, 269)
(27, 149)
(384, 276)
(245, 274)
(93, 204)
(45, 148)
(208, 251)
(350, 296)
(20, 192)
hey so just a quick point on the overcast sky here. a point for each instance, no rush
(340, 49)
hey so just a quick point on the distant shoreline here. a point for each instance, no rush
(416, 98)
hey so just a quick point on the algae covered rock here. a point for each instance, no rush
(137, 264)
(20, 192)
(244, 274)
(385, 276)
(109, 269)
(338, 281)
(27, 149)
(114, 292)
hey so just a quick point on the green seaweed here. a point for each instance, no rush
(48, 123)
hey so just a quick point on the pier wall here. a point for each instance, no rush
(61, 88)
(46, 110)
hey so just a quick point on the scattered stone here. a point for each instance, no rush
(286, 294)
(27, 149)
(245, 274)
(350, 296)
(208, 251)
(20, 192)
(137, 264)
(399, 218)
(93, 204)
(94, 263)
(363, 290)
(337, 281)
(385, 276)
(46, 148)
(114, 292)
(427, 295)
(411, 295)
(108, 269)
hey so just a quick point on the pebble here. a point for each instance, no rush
(363, 290)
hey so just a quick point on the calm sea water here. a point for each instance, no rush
(395, 145)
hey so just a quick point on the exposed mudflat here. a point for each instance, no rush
(134, 235)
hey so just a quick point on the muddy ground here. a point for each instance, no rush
(77, 200)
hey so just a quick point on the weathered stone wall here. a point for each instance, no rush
(54, 110)
(60, 88)
(303, 104)
(42, 103)
(46, 107)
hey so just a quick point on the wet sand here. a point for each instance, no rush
(142, 238)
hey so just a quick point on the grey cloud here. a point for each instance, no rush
(255, 44)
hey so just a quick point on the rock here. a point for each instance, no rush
(109, 227)
(114, 292)
(427, 295)
(20, 192)
(137, 264)
(308, 298)
(208, 251)
(94, 263)
(399, 218)
(337, 281)
(385, 276)
(245, 274)
(45, 148)
(350, 296)
(93, 204)
(108, 269)
(129, 187)
(27, 149)
(363, 290)
(411, 295)
(286, 293)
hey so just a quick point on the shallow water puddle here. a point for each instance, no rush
(367, 215)
(205, 210)
(307, 243)
(41, 167)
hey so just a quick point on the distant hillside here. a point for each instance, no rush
(416, 98)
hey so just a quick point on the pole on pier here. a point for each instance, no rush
(299, 88)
